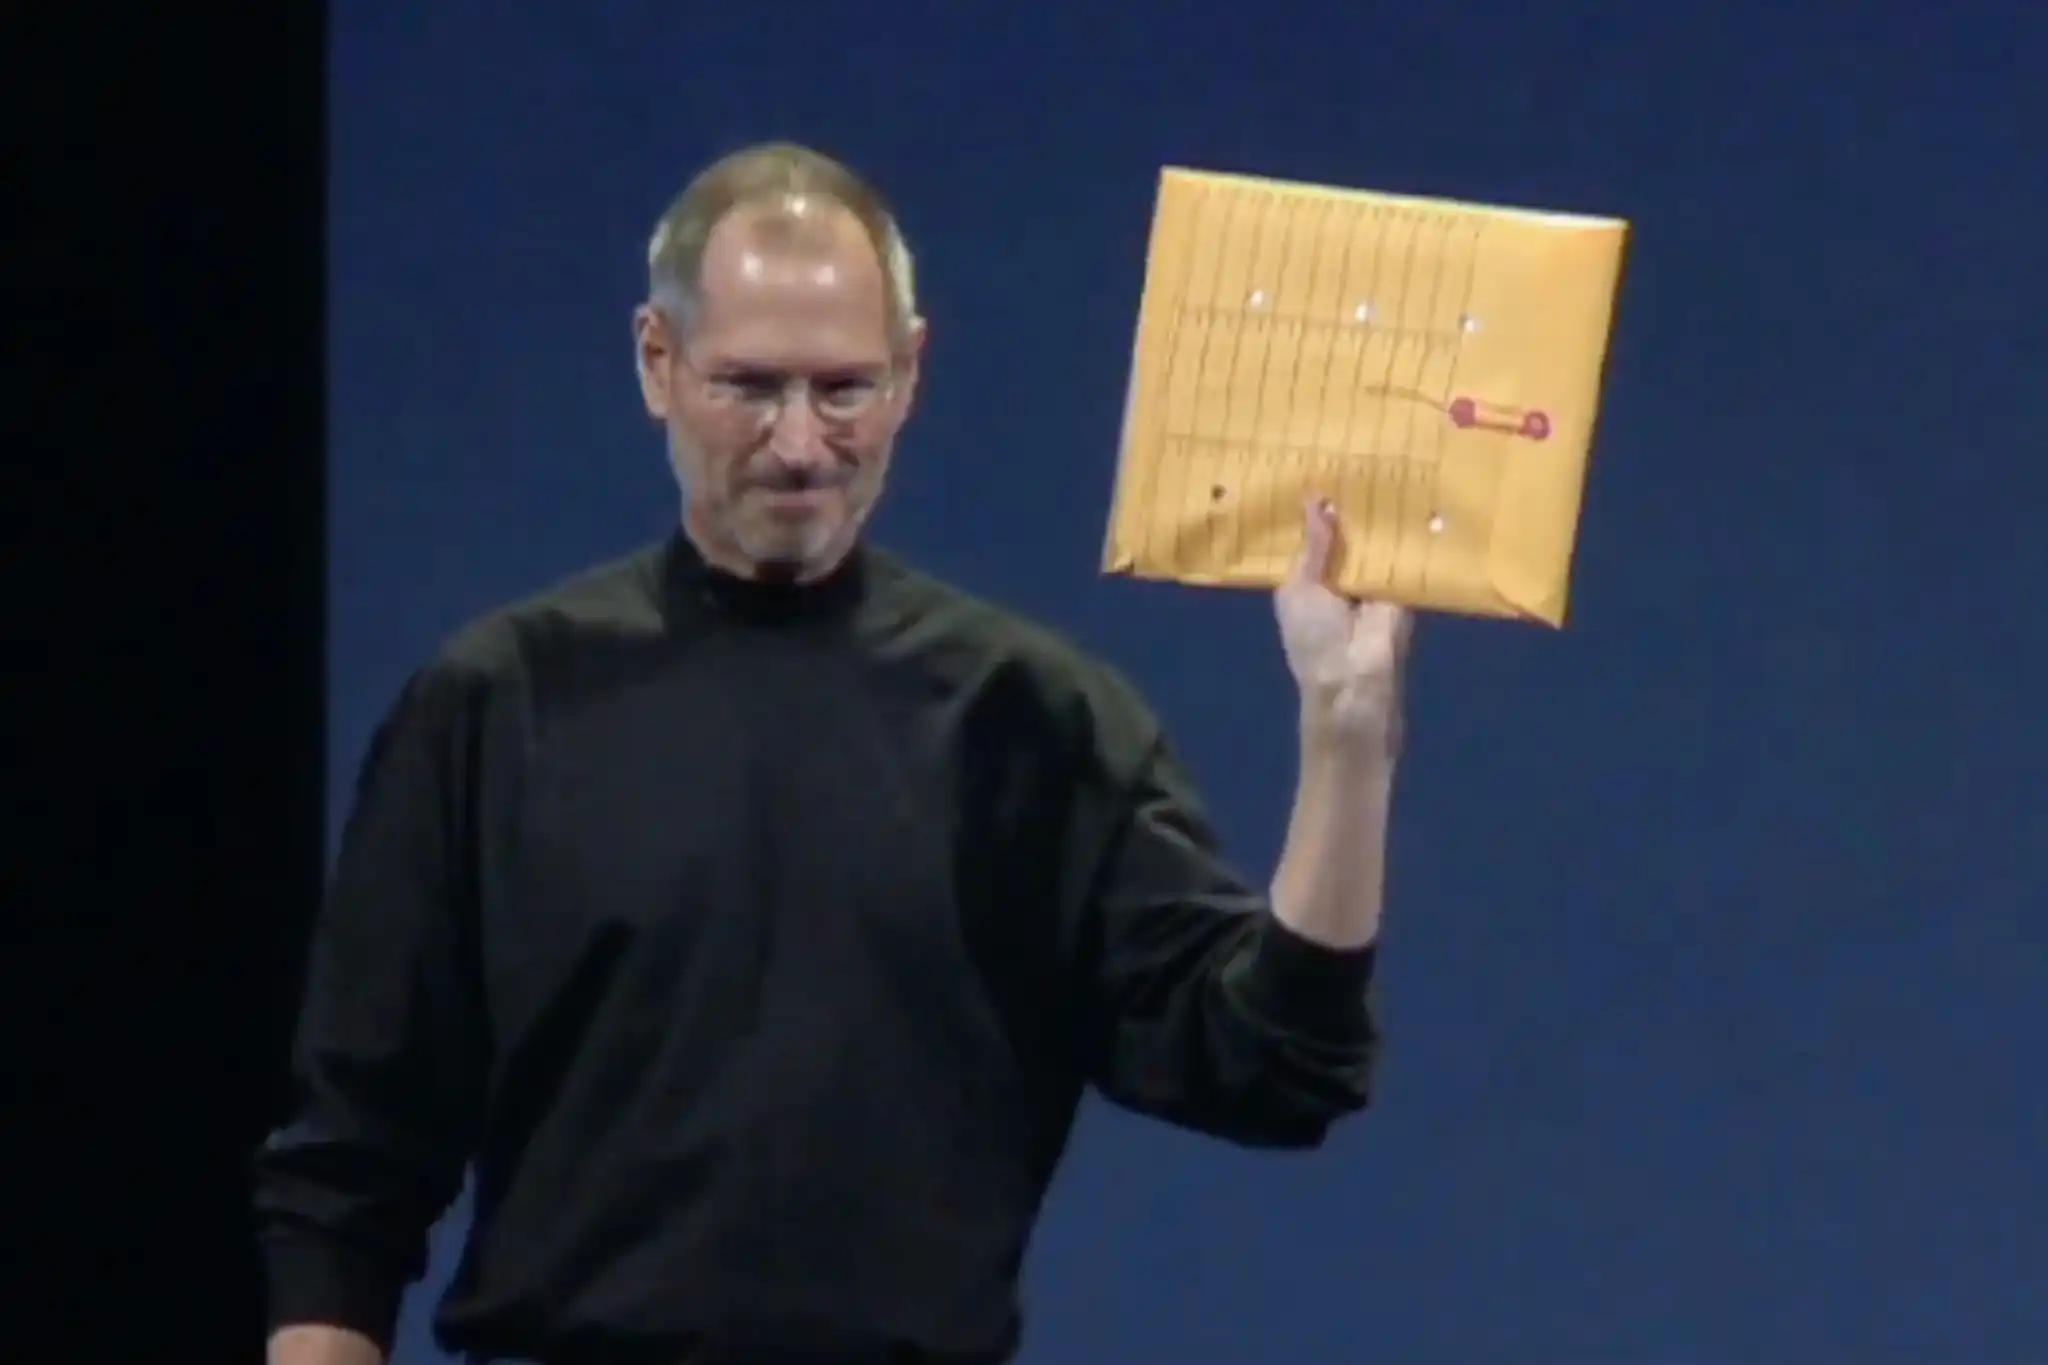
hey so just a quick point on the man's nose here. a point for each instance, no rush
(797, 434)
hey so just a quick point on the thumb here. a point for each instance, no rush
(1320, 544)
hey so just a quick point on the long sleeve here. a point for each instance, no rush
(389, 1059)
(1211, 1014)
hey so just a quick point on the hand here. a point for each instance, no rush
(1348, 657)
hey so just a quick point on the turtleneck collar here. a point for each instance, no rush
(697, 585)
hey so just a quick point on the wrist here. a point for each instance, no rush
(1358, 747)
(1348, 762)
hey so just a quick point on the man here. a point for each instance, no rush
(752, 912)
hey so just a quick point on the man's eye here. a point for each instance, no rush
(752, 388)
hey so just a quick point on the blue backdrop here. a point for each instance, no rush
(1717, 978)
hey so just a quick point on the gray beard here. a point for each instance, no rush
(784, 556)
(779, 556)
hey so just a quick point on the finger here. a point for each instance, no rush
(1319, 545)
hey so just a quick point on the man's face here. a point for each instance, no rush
(784, 393)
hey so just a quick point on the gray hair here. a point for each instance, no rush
(767, 173)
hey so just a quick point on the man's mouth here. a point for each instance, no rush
(797, 498)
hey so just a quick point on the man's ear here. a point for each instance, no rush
(913, 359)
(653, 356)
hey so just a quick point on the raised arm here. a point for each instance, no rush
(1209, 1011)
(1238, 1014)
(389, 1059)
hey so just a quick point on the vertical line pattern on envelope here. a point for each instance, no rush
(1404, 455)
(1325, 452)
(1313, 457)
(1362, 219)
(1385, 460)
(1391, 449)
(1366, 451)
(1222, 462)
(1165, 449)
(1236, 455)
(1162, 450)
(1181, 448)
(1155, 442)
(1263, 332)
(1422, 431)
(1215, 319)
(1477, 229)
(1174, 303)
(1257, 452)
(1414, 466)
(1421, 465)
(1381, 460)
(1345, 217)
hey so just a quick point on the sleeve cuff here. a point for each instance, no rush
(317, 1283)
(1305, 987)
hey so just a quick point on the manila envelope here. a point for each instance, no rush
(1433, 368)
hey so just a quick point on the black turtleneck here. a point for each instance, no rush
(756, 942)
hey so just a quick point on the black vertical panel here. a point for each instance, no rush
(162, 771)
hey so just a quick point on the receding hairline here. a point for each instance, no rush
(770, 177)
